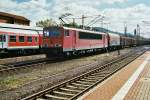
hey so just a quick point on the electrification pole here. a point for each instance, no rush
(83, 17)
(138, 34)
(125, 28)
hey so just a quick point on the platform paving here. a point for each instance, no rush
(120, 86)
(141, 87)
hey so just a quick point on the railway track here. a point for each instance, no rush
(15, 66)
(30, 64)
(25, 64)
(73, 88)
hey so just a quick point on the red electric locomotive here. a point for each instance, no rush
(64, 40)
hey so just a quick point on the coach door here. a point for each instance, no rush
(3, 41)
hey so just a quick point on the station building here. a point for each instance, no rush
(13, 19)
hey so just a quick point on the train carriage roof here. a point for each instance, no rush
(113, 34)
(83, 30)
(20, 29)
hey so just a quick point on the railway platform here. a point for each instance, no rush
(130, 83)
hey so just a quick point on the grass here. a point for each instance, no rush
(12, 82)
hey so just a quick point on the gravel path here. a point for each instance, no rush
(25, 82)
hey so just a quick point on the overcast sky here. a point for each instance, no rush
(116, 12)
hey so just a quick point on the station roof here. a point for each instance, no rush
(14, 16)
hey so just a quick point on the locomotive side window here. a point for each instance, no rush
(29, 39)
(12, 38)
(66, 32)
(85, 35)
(21, 38)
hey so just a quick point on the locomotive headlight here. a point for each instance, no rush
(45, 45)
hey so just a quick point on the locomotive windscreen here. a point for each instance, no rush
(51, 32)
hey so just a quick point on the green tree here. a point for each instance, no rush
(46, 23)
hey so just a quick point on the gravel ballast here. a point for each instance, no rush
(27, 82)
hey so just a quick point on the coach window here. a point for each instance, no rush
(2, 38)
(12, 38)
(35, 39)
(66, 32)
(21, 38)
(29, 39)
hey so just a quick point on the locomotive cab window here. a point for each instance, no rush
(51, 32)
(66, 32)
(12, 38)
(21, 38)
(29, 39)
(45, 33)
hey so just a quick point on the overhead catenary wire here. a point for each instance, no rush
(93, 21)
(97, 20)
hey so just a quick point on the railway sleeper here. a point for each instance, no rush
(3, 66)
(93, 78)
(112, 70)
(84, 82)
(100, 74)
(70, 90)
(106, 71)
(40, 99)
(96, 77)
(110, 67)
(62, 93)
(117, 66)
(53, 97)
(104, 75)
(81, 84)
(74, 87)
(88, 80)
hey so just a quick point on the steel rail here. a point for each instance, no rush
(75, 87)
